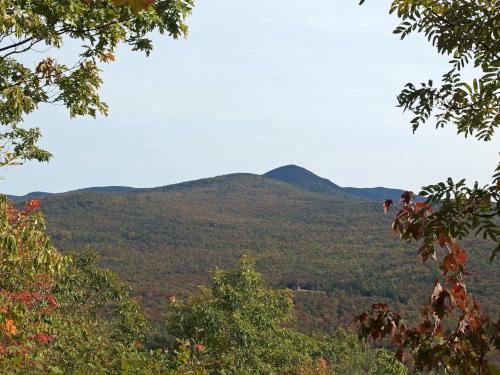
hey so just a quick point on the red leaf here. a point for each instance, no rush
(461, 257)
(459, 296)
(43, 338)
(387, 204)
(449, 264)
(33, 205)
(380, 306)
(406, 197)
(443, 240)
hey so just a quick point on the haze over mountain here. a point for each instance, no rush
(304, 232)
(292, 174)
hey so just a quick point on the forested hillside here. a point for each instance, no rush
(334, 247)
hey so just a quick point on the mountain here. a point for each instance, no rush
(337, 248)
(303, 178)
(291, 174)
(377, 193)
(97, 189)
(107, 189)
(32, 195)
(307, 180)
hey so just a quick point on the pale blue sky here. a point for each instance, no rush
(259, 84)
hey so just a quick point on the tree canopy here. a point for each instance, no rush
(63, 314)
(58, 313)
(453, 335)
(30, 77)
(467, 32)
(241, 327)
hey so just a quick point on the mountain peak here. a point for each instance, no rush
(301, 177)
(290, 168)
(296, 175)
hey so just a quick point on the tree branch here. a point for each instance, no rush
(15, 51)
(17, 44)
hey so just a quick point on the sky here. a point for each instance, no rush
(256, 85)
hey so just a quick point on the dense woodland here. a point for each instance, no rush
(64, 314)
(335, 247)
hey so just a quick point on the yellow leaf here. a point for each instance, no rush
(136, 5)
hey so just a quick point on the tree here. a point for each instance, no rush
(467, 31)
(347, 355)
(30, 29)
(240, 324)
(58, 313)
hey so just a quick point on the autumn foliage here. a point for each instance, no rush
(63, 314)
(452, 333)
(29, 268)
(53, 307)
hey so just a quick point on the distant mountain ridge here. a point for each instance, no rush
(94, 189)
(301, 177)
(291, 174)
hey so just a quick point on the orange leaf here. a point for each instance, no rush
(10, 327)
(421, 205)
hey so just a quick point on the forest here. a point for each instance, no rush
(281, 273)
(64, 314)
(165, 241)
